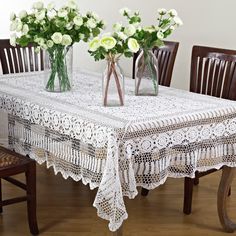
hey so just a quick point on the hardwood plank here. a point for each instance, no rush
(65, 209)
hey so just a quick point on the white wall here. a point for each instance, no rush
(206, 22)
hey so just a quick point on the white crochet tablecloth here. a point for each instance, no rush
(117, 148)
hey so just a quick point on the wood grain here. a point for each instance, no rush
(65, 209)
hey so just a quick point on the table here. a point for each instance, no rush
(117, 149)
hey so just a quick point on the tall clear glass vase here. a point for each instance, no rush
(146, 74)
(58, 68)
(113, 84)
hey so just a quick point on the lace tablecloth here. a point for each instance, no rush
(117, 148)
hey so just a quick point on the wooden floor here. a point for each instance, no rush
(65, 209)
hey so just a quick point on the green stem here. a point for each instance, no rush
(57, 56)
(147, 61)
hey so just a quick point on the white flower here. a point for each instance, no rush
(69, 26)
(13, 26)
(78, 20)
(22, 14)
(40, 15)
(37, 49)
(39, 41)
(62, 12)
(51, 14)
(56, 38)
(149, 29)
(50, 6)
(172, 12)
(12, 16)
(136, 25)
(117, 27)
(38, 5)
(172, 27)
(133, 45)
(50, 43)
(94, 44)
(13, 40)
(81, 36)
(19, 26)
(72, 4)
(122, 35)
(95, 16)
(160, 35)
(25, 29)
(124, 11)
(91, 23)
(108, 42)
(66, 40)
(130, 30)
(162, 11)
(178, 21)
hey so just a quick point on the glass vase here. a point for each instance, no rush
(146, 74)
(113, 84)
(58, 68)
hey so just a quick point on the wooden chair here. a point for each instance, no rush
(166, 58)
(18, 59)
(11, 164)
(213, 72)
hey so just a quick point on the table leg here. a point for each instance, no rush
(225, 183)
(119, 232)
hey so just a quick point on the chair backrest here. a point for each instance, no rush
(213, 72)
(18, 59)
(166, 58)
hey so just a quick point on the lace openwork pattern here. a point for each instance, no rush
(116, 149)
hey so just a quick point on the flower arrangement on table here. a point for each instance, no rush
(111, 46)
(55, 30)
(149, 37)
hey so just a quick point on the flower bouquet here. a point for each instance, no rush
(55, 31)
(112, 46)
(148, 37)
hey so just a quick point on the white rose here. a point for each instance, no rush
(130, 30)
(162, 11)
(25, 29)
(149, 29)
(13, 40)
(78, 20)
(117, 27)
(50, 43)
(95, 16)
(51, 14)
(62, 13)
(133, 45)
(108, 42)
(124, 11)
(172, 12)
(178, 21)
(38, 5)
(40, 15)
(69, 26)
(160, 35)
(122, 35)
(66, 40)
(13, 26)
(56, 38)
(12, 16)
(37, 49)
(40, 42)
(19, 26)
(50, 6)
(91, 23)
(81, 36)
(22, 14)
(94, 44)
(72, 4)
